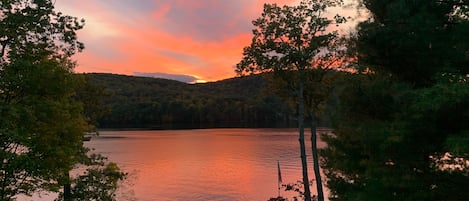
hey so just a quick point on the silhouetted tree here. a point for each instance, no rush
(41, 119)
(399, 116)
(293, 38)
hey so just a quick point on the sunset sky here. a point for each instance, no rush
(186, 40)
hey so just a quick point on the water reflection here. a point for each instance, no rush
(202, 165)
(212, 164)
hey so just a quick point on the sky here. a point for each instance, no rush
(186, 40)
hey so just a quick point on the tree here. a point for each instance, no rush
(41, 129)
(399, 115)
(391, 141)
(32, 29)
(99, 182)
(41, 119)
(414, 40)
(92, 97)
(292, 38)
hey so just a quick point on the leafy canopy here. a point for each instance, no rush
(41, 119)
(398, 124)
(294, 39)
(31, 29)
(290, 38)
(414, 40)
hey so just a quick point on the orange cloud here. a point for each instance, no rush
(203, 39)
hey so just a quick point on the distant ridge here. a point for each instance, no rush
(158, 103)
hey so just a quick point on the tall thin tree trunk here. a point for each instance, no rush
(317, 172)
(301, 129)
(67, 189)
(4, 45)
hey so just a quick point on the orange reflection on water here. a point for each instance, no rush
(215, 164)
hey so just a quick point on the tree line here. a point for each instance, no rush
(153, 103)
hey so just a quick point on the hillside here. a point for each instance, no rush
(153, 103)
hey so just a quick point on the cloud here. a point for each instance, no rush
(204, 20)
(177, 77)
(201, 38)
(209, 20)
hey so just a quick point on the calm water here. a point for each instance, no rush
(204, 165)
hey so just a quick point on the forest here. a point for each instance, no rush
(155, 103)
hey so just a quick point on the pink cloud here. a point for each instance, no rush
(198, 38)
(161, 12)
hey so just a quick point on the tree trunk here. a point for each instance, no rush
(317, 172)
(67, 189)
(2, 52)
(301, 129)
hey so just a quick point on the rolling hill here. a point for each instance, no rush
(155, 103)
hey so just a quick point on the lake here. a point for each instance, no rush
(204, 165)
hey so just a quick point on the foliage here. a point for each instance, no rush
(277, 199)
(318, 88)
(32, 30)
(297, 187)
(92, 98)
(414, 40)
(41, 118)
(291, 38)
(294, 187)
(294, 38)
(399, 117)
(99, 181)
(390, 140)
(41, 129)
(139, 102)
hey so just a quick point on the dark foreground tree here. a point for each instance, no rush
(394, 142)
(413, 41)
(41, 121)
(99, 182)
(399, 122)
(292, 38)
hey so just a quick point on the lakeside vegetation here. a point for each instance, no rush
(42, 119)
